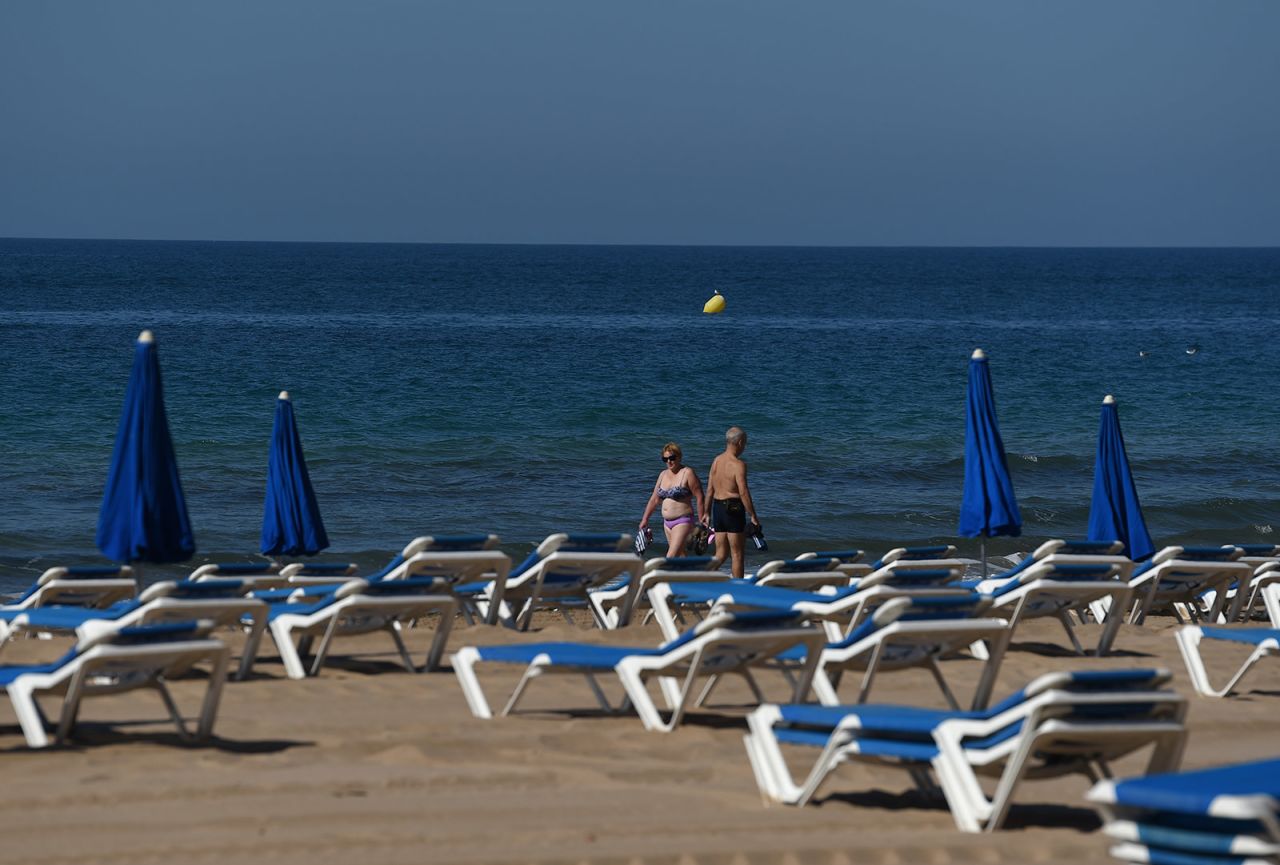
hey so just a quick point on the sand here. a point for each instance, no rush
(369, 764)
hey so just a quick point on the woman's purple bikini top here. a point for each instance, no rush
(677, 493)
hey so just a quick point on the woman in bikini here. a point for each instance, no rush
(678, 489)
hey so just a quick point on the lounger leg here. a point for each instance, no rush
(282, 634)
(712, 681)
(532, 672)
(823, 689)
(30, 717)
(665, 610)
(441, 640)
(676, 694)
(524, 616)
(1009, 780)
(70, 706)
(175, 714)
(213, 696)
(987, 681)
(1219, 601)
(251, 644)
(869, 676)
(924, 781)
(942, 684)
(323, 652)
(393, 628)
(599, 692)
(1167, 755)
(1111, 625)
(773, 778)
(753, 685)
(463, 663)
(1065, 619)
(686, 691)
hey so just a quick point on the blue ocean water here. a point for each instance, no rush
(526, 389)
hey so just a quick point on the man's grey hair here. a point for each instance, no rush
(735, 435)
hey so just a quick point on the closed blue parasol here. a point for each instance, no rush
(291, 524)
(144, 515)
(989, 507)
(1116, 513)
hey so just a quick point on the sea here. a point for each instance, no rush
(525, 390)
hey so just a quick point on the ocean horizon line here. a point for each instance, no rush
(642, 245)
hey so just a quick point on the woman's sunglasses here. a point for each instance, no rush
(668, 458)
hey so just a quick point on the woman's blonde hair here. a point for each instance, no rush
(673, 448)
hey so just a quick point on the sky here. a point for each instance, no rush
(905, 122)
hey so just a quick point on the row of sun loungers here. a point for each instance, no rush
(811, 620)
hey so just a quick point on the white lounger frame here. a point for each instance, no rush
(1114, 593)
(107, 669)
(1245, 601)
(356, 613)
(53, 587)
(528, 588)
(1216, 577)
(1190, 637)
(269, 576)
(957, 768)
(615, 608)
(156, 607)
(839, 615)
(883, 651)
(718, 650)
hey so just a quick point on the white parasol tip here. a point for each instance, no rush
(146, 336)
(284, 394)
(979, 354)
(1108, 400)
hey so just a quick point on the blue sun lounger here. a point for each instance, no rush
(615, 605)
(808, 574)
(1261, 643)
(898, 560)
(1060, 724)
(95, 586)
(1176, 578)
(840, 609)
(222, 602)
(559, 573)
(903, 631)
(254, 575)
(452, 560)
(1056, 588)
(356, 607)
(1226, 815)
(1265, 561)
(722, 644)
(1059, 551)
(108, 659)
(458, 558)
(908, 633)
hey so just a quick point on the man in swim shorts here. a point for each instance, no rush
(731, 505)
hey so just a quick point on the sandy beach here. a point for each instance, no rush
(369, 763)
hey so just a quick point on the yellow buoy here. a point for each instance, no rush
(714, 305)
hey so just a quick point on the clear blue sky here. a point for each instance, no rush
(955, 122)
